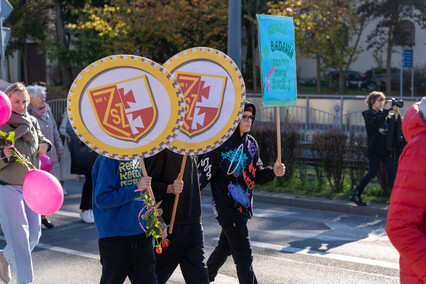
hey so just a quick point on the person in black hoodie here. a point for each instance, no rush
(384, 136)
(233, 169)
(186, 242)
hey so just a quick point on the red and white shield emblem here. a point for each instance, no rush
(124, 109)
(203, 95)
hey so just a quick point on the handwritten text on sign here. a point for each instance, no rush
(278, 60)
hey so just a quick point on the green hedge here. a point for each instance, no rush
(335, 155)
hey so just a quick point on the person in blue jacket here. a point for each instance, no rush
(233, 169)
(125, 250)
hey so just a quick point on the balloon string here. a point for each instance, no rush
(139, 218)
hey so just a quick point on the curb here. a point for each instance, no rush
(316, 203)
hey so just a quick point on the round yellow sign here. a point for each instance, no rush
(125, 107)
(214, 94)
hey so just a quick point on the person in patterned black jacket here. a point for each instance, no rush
(233, 169)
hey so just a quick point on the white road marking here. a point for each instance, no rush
(64, 250)
(328, 235)
(326, 255)
(359, 232)
(310, 234)
(259, 213)
(220, 278)
(322, 265)
(68, 214)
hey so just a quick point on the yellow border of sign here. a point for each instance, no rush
(144, 64)
(206, 53)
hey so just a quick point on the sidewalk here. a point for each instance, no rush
(308, 202)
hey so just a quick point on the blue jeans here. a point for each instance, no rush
(22, 230)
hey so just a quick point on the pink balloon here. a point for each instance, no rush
(46, 163)
(43, 192)
(5, 108)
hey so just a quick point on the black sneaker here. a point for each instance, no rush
(357, 200)
(47, 223)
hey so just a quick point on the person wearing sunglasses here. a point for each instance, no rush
(232, 170)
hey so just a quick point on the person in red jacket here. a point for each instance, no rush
(406, 220)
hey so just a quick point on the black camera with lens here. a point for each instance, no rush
(398, 103)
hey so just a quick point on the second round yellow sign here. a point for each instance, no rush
(214, 94)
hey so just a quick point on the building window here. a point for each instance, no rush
(405, 34)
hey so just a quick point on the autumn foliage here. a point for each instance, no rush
(153, 29)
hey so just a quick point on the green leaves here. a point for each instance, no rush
(153, 219)
(7, 139)
(327, 30)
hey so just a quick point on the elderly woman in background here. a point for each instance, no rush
(40, 110)
(21, 226)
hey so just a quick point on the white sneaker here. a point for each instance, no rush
(5, 273)
(87, 216)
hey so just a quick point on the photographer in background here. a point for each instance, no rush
(384, 136)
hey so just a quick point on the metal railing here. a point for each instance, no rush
(58, 107)
(347, 112)
(309, 120)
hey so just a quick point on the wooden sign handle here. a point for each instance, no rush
(145, 174)
(180, 177)
(278, 136)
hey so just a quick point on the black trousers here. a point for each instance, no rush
(233, 240)
(187, 250)
(86, 193)
(131, 256)
(373, 167)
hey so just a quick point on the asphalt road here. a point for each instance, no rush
(290, 245)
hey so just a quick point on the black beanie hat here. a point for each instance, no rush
(248, 106)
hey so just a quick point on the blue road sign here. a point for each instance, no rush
(407, 58)
(407, 64)
(407, 52)
(5, 34)
(5, 9)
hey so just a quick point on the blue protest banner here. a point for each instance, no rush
(277, 60)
